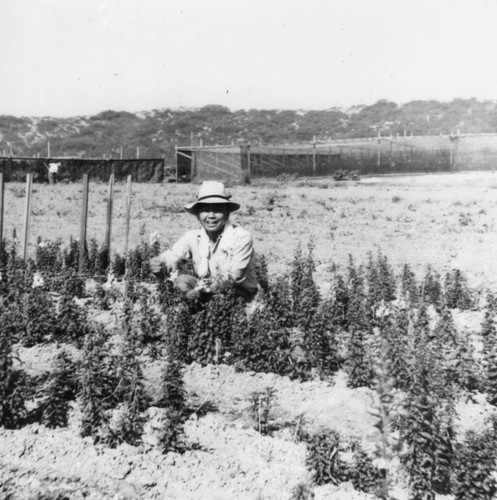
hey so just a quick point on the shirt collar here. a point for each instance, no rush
(226, 232)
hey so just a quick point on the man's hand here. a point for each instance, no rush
(217, 284)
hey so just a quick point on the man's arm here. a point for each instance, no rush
(243, 252)
(171, 258)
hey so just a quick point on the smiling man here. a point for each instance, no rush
(220, 251)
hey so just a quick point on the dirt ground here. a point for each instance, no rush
(446, 221)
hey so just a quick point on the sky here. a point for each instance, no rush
(65, 58)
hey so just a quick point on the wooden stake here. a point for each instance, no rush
(27, 212)
(110, 202)
(48, 149)
(84, 221)
(128, 216)
(314, 158)
(249, 163)
(378, 158)
(2, 193)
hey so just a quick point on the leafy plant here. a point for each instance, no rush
(98, 378)
(214, 324)
(305, 294)
(431, 288)
(323, 458)
(13, 410)
(358, 360)
(72, 324)
(367, 477)
(457, 293)
(474, 477)
(40, 318)
(59, 389)
(260, 410)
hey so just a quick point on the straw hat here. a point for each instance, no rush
(212, 192)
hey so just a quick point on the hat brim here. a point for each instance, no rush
(215, 200)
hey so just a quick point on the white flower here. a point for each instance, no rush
(110, 281)
(154, 237)
(37, 280)
(174, 274)
(382, 310)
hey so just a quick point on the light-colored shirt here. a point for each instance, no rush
(231, 256)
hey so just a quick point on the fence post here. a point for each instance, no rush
(27, 213)
(128, 216)
(249, 166)
(378, 160)
(2, 194)
(314, 157)
(84, 221)
(110, 202)
(451, 151)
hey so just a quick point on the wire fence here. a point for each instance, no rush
(367, 156)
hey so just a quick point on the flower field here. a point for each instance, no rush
(367, 370)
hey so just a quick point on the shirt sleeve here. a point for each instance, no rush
(178, 253)
(243, 251)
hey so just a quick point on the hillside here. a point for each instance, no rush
(156, 132)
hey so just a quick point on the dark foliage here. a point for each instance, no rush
(323, 458)
(409, 286)
(57, 392)
(474, 469)
(72, 322)
(12, 391)
(40, 318)
(260, 409)
(98, 378)
(457, 293)
(213, 326)
(364, 475)
(431, 288)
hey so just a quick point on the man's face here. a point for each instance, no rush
(213, 217)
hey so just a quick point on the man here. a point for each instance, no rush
(221, 252)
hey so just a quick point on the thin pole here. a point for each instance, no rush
(27, 212)
(249, 162)
(2, 193)
(378, 160)
(314, 157)
(176, 158)
(451, 157)
(48, 149)
(84, 221)
(110, 201)
(128, 216)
